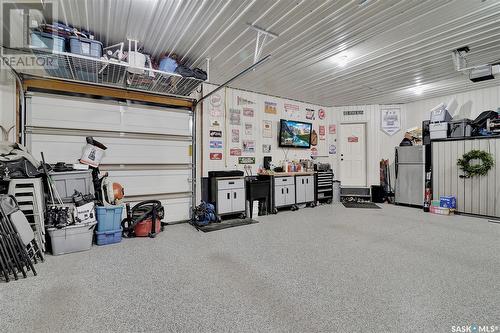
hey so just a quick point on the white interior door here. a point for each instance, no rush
(353, 155)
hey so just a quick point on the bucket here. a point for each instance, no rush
(137, 61)
(92, 155)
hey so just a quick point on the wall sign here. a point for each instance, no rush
(243, 101)
(266, 149)
(235, 116)
(310, 114)
(332, 129)
(314, 151)
(216, 144)
(215, 123)
(321, 114)
(270, 107)
(322, 132)
(390, 121)
(352, 139)
(246, 160)
(248, 112)
(216, 156)
(235, 135)
(215, 134)
(267, 129)
(248, 129)
(291, 110)
(354, 113)
(332, 150)
(235, 152)
(249, 146)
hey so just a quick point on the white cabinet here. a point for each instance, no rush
(230, 194)
(284, 191)
(304, 186)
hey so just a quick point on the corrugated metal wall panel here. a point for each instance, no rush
(476, 195)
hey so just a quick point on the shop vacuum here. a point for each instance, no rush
(144, 219)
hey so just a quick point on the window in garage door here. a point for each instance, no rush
(148, 146)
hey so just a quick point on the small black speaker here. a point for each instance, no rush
(267, 162)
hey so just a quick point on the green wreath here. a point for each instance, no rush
(480, 169)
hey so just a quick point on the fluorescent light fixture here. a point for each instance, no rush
(417, 90)
(340, 59)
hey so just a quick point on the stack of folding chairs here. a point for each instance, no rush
(19, 250)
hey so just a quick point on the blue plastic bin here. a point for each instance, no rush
(84, 46)
(109, 218)
(48, 42)
(108, 237)
(448, 201)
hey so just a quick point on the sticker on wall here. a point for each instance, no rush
(215, 134)
(216, 100)
(235, 152)
(246, 160)
(216, 144)
(321, 114)
(235, 135)
(332, 150)
(215, 123)
(332, 129)
(390, 121)
(266, 149)
(352, 139)
(215, 105)
(248, 146)
(310, 114)
(248, 112)
(322, 132)
(267, 129)
(270, 107)
(243, 101)
(291, 110)
(235, 116)
(314, 138)
(216, 156)
(314, 151)
(248, 129)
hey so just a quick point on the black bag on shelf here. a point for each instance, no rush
(200, 74)
(185, 71)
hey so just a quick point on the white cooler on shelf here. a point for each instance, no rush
(438, 130)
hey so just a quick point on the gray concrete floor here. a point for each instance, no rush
(326, 269)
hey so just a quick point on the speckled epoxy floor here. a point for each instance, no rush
(327, 269)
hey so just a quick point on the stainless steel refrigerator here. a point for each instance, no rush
(410, 175)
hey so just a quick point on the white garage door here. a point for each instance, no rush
(148, 146)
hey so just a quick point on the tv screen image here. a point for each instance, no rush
(295, 134)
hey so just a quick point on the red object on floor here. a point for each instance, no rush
(143, 228)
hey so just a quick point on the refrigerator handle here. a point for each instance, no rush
(396, 164)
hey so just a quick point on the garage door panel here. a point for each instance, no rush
(103, 116)
(73, 114)
(175, 209)
(156, 121)
(148, 146)
(120, 150)
(146, 182)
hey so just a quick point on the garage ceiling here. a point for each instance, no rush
(391, 46)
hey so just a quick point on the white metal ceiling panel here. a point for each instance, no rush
(393, 45)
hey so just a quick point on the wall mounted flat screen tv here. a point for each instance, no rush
(295, 134)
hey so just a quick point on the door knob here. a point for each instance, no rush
(341, 159)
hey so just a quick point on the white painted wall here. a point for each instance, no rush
(468, 104)
(7, 103)
(379, 144)
(229, 98)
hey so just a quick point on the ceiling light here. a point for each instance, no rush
(340, 59)
(417, 90)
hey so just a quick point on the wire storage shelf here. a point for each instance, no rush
(74, 67)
